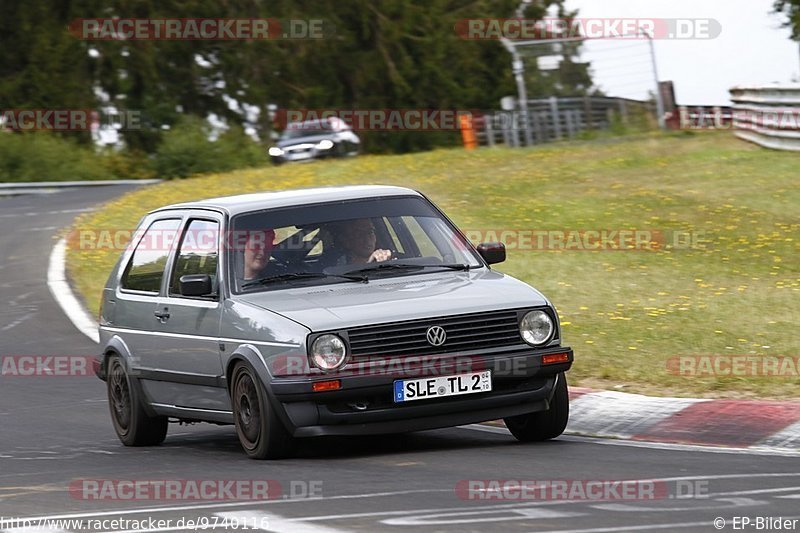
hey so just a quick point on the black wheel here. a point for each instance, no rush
(131, 422)
(543, 425)
(261, 433)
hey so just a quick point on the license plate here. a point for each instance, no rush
(439, 387)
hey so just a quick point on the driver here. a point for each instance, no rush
(356, 240)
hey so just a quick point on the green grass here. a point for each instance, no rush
(626, 313)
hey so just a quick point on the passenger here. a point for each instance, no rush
(257, 251)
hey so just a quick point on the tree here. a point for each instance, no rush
(41, 65)
(790, 8)
(388, 54)
(391, 54)
(571, 77)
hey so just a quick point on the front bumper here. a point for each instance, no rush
(364, 404)
(99, 367)
(302, 156)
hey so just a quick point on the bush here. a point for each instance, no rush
(42, 156)
(129, 165)
(237, 150)
(186, 150)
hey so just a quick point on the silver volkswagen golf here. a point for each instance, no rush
(336, 311)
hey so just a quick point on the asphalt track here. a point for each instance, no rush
(55, 432)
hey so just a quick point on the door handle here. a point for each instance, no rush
(162, 316)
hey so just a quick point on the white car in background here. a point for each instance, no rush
(315, 139)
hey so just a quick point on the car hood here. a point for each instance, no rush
(311, 139)
(345, 305)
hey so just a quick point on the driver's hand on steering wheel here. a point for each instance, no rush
(380, 255)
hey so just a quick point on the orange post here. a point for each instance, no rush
(468, 133)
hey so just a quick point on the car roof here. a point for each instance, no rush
(324, 123)
(243, 203)
(309, 123)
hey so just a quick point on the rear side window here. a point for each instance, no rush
(146, 266)
(197, 253)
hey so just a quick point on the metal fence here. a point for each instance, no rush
(768, 115)
(553, 119)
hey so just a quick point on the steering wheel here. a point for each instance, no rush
(397, 255)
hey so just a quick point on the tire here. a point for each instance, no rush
(543, 425)
(261, 434)
(133, 425)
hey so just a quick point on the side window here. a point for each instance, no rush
(198, 253)
(146, 266)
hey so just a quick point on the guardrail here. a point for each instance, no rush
(768, 115)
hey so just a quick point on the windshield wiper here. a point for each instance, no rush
(403, 266)
(454, 266)
(288, 276)
(383, 266)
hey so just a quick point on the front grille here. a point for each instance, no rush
(464, 332)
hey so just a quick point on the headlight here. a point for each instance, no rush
(275, 151)
(536, 327)
(328, 352)
(325, 144)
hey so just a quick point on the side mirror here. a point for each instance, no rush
(492, 252)
(196, 285)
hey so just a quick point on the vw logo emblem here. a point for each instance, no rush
(436, 335)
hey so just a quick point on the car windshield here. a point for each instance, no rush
(352, 241)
